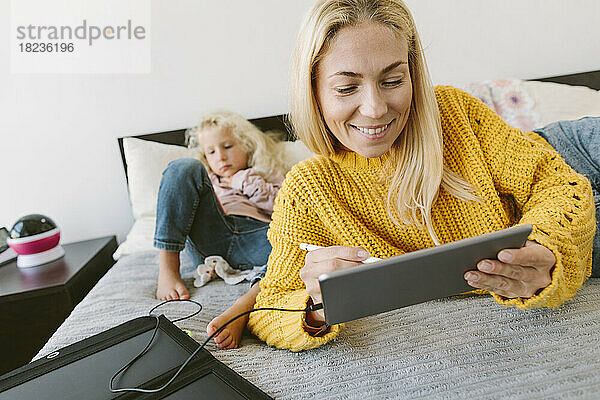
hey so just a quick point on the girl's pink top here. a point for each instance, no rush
(250, 194)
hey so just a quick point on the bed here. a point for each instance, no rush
(457, 347)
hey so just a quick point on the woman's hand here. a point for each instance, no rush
(519, 273)
(324, 260)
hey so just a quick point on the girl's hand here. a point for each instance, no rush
(324, 260)
(519, 273)
(225, 181)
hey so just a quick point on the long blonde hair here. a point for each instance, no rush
(261, 147)
(415, 168)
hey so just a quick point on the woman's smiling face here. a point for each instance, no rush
(364, 89)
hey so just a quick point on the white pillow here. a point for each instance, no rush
(139, 238)
(558, 102)
(146, 162)
(294, 152)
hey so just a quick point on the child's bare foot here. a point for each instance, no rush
(170, 285)
(231, 335)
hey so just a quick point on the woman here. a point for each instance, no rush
(401, 167)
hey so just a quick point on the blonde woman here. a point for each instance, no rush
(220, 205)
(402, 166)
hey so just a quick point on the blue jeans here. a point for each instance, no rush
(189, 216)
(578, 142)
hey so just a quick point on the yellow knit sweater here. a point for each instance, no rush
(336, 201)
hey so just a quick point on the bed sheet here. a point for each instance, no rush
(458, 347)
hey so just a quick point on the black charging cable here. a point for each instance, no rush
(313, 307)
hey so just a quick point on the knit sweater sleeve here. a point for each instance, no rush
(549, 195)
(292, 223)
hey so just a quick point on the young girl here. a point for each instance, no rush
(220, 205)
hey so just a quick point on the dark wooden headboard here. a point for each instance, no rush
(590, 79)
(279, 122)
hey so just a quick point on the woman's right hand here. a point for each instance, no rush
(325, 260)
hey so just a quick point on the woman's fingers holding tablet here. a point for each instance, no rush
(356, 254)
(519, 273)
(532, 254)
(327, 259)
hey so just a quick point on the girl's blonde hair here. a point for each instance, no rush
(261, 147)
(415, 168)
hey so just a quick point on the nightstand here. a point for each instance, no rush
(35, 301)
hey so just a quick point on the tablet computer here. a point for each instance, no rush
(411, 278)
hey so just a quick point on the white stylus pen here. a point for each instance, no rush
(311, 247)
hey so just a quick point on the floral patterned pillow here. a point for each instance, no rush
(509, 100)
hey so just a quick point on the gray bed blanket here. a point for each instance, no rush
(460, 347)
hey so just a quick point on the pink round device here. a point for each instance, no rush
(35, 239)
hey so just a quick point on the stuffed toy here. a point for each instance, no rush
(204, 274)
(216, 265)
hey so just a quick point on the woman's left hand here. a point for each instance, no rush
(519, 273)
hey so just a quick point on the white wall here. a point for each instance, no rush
(469, 40)
(58, 133)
